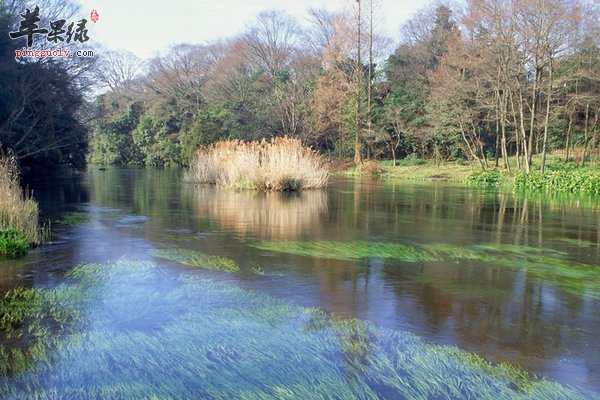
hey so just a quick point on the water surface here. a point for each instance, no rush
(513, 278)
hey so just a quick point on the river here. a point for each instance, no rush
(514, 278)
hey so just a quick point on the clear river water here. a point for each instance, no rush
(241, 277)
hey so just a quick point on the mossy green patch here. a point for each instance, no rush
(224, 342)
(198, 259)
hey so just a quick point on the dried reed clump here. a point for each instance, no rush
(17, 210)
(280, 164)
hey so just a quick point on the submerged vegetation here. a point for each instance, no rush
(18, 211)
(74, 218)
(198, 259)
(202, 339)
(547, 264)
(280, 164)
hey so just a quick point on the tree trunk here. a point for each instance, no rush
(585, 133)
(503, 129)
(534, 101)
(357, 145)
(526, 150)
(470, 147)
(547, 119)
(568, 144)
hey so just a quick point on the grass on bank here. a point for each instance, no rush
(18, 211)
(280, 164)
(559, 177)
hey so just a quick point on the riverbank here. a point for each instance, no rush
(559, 176)
(18, 212)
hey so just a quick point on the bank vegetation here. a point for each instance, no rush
(18, 211)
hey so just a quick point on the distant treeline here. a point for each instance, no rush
(489, 80)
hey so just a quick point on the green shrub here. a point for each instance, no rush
(410, 159)
(13, 242)
(571, 166)
(484, 178)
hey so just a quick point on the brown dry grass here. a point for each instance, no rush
(280, 164)
(17, 210)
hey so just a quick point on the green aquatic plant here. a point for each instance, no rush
(220, 341)
(13, 243)
(351, 250)
(257, 269)
(547, 264)
(74, 218)
(578, 242)
(198, 259)
(174, 237)
(33, 318)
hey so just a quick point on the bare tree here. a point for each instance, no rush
(545, 29)
(271, 41)
(180, 75)
(118, 68)
(322, 30)
(358, 15)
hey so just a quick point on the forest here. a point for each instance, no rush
(479, 81)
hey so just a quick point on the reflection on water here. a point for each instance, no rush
(519, 313)
(270, 216)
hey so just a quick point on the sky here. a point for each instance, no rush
(148, 28)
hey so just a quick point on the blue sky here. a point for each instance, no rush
(147, 27)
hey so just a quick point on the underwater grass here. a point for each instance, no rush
(578, 242)
(225, 342)
(547, 264)
(351, 250)
(74, 218)
(198, 259)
